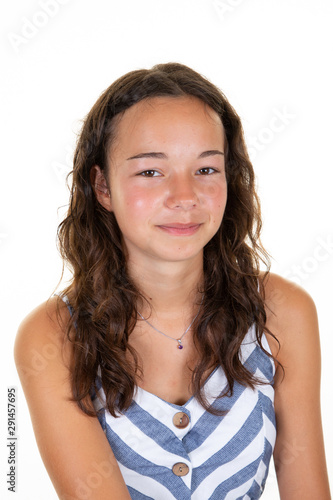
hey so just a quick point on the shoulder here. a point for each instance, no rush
(283, 296)
(41, 337)
(291, 313)
(286, 302)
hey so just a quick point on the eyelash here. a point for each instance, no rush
(208, 168)
(143, 174)
(152, 171)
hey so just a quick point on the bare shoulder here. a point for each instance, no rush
(283, 296)
(46, 313)
(41, 337)
(291, 314)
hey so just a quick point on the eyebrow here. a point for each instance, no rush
(163, 156)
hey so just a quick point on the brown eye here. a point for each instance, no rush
(207, 170)
(149, 173)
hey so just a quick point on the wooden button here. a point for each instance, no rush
(180, 420)
(180, 469)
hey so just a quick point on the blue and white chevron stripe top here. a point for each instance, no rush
(168, 452)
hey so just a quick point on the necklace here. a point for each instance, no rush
(180, 345)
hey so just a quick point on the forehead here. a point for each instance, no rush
(168, 119)
(154, 106)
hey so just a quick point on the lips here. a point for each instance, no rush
(179, 229)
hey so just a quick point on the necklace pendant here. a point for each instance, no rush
(180, 346)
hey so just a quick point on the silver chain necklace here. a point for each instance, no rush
(180, 345)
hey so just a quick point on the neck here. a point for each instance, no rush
(171, 289)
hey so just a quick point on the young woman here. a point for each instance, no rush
(171, 367)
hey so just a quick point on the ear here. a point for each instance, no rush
(100, 187)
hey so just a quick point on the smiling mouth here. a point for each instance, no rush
(178, 229)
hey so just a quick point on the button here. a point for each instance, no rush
(180, 469)
(180, 420)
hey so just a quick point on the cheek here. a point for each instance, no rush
(139, 201)
(215, 195)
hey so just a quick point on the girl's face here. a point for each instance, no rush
(167, 179)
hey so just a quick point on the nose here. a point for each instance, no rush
(182, 194)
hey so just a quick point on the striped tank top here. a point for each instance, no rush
(167, 452)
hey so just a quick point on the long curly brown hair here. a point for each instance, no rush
(101, 294)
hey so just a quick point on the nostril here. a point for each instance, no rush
(181, 204)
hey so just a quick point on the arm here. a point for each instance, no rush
(72, 445)
(299, 454)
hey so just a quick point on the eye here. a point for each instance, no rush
(149, 173)
(207, 171)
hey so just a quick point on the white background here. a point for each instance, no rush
(270, 57)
